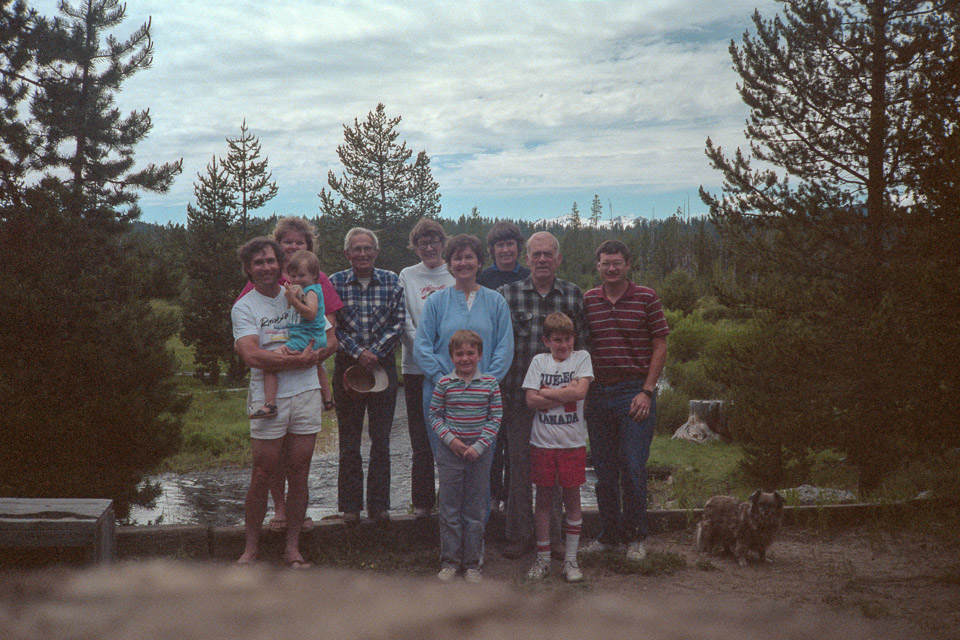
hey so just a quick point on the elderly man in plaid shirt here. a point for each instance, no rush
(369, 327)
(531, 300)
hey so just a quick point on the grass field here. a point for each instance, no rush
(216, 433)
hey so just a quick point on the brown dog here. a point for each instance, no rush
(737, 526)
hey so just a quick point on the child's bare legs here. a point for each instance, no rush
(541, 520)
(269, 408)
(541, 516)
(573, 523)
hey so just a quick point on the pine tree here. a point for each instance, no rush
(854, 102)
(89, 407)
(248, 175)
(15, 56)
(596, 210)
(575, 222)
(424, 194)
(78, 128)
(213, 277)
(376, 188)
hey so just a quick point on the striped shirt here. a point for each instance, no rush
(471, 411)
(371, 318)
(621, 334)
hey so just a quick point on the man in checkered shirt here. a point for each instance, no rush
(369, 327)
(531, 300)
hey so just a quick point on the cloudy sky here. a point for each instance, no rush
(523, 107)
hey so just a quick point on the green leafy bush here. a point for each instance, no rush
(672, 410)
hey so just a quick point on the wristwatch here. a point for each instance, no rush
(649, 393)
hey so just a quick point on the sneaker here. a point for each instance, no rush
(447, 574)
(539, 570)
(597, 546)
(571, 572)
(472, 576)
(636, 552)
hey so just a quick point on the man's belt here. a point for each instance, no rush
(608, 378)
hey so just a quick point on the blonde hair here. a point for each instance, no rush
(466, 337)
(304, 258)
(297, 225)
(557, 323)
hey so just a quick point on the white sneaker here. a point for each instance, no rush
(571, 572)
(447, 574)
(636, 552)
(473, 576)
(596, 546)
(539, 570)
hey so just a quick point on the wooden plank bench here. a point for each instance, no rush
(60, 522)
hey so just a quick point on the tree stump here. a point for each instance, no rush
(705, 422)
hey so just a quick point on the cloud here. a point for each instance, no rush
(501, 95)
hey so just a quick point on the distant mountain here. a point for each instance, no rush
(622, 222)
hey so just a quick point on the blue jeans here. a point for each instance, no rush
(434, 439)
(464, 487)
(619, 446)
(379, 407)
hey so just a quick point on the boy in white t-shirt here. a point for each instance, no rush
(556, 384)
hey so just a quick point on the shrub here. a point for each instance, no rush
(673, 407)
(679, 291)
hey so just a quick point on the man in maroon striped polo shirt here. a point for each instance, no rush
(628, 336)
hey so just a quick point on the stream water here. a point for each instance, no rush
(215, 498)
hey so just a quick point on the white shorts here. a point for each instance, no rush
(301, 414)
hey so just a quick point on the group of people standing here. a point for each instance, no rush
(505, 371)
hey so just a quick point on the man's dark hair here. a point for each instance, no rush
(504, 231)
(255, 246)
(610, 247)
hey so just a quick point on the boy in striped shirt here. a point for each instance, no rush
(465, 412)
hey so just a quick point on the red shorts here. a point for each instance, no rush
(548, 466)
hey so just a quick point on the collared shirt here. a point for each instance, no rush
(371, 318)
(622, 334)
(466, 409)
(494, 277)
(527, 311)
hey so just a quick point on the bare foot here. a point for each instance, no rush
(295, 561)
(248, 558)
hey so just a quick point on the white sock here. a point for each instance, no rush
(573, 539)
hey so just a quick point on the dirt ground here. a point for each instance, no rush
(906, 582)
(865, 582)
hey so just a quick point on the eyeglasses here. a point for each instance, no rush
(616, 264)
(428, 244)
(363, 249)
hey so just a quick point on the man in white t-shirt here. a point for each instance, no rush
(260, 322)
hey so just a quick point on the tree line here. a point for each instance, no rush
(835, 242)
